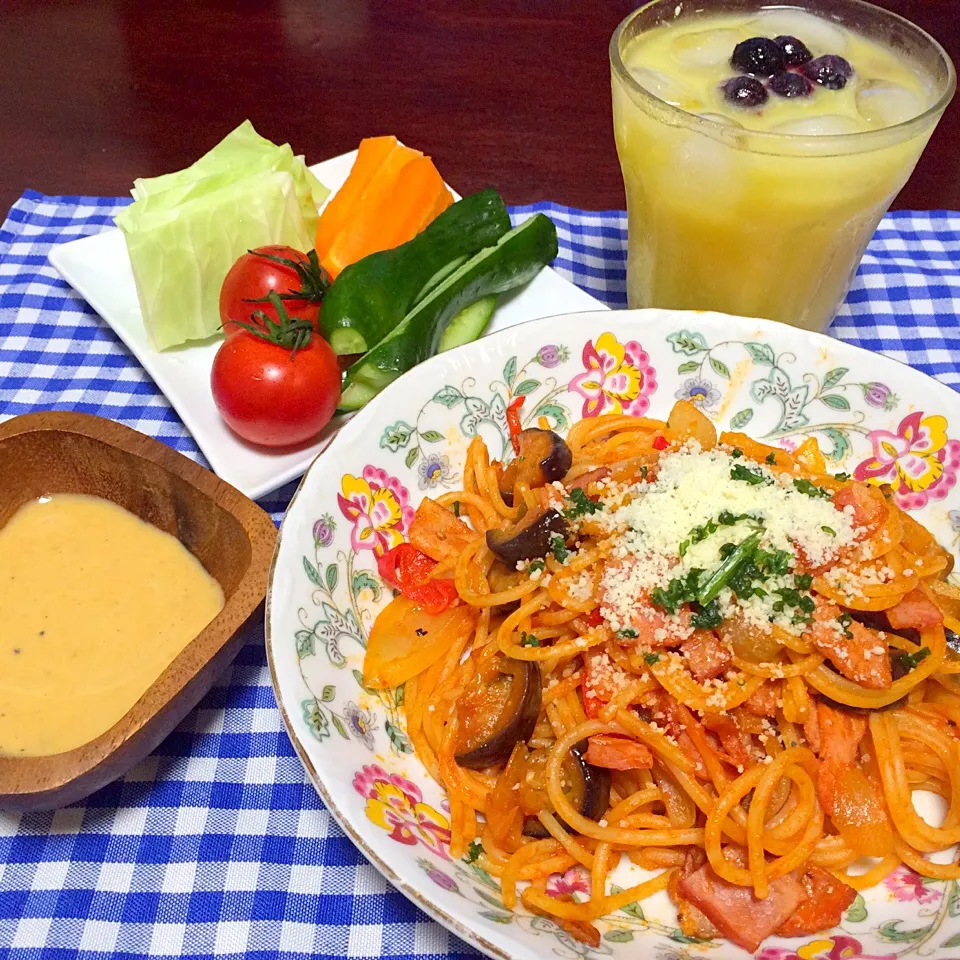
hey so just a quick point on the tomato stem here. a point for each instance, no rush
(292, 335)
(314, 279)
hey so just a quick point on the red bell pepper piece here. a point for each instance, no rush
(513, 422)
(408, 570)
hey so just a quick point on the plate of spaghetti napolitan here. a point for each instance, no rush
(637, 634)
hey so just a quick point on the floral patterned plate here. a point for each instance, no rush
(875, 418)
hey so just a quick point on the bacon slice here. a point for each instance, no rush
(861, 657)
(915, 611)
(826, 900)
(735, 911)
(617, 753)
(707, 658)
(763, 703)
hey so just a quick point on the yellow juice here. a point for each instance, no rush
(764, 208)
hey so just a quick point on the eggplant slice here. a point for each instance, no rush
(499, 710)
(589, 791)
(543, 457)
(531, 539)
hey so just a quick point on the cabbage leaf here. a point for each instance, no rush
(185, 230)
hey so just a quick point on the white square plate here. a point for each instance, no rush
(99, 269)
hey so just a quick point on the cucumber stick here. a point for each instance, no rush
(370, 297)
(517, 258)
(468, 324)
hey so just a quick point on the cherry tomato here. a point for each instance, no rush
(276, 268)
(273, 395)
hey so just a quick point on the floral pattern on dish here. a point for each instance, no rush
(918, 460)
(749, 377)
(618, 377)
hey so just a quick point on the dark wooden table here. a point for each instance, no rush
(507, 93)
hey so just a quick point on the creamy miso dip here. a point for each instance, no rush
(94, 604)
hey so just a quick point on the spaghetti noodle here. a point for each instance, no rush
(704, 654)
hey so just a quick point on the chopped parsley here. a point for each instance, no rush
(910, 660)
(771, 459)
(829, 531)
(679, 591)
(474, 849)
(735, 559)
(804, 486)
(845, 620)
(536, 565)
(803, 581)
(753, 477)
(643, 471)
(652, 658)
(842, 477)
(803, 603)
(559, 548)
(728, 519)
(627, 633)
(736, 453)
(725, 518)
(708, 617)
(456, 508)
(529, 640)
(757, 569)
(581, 505)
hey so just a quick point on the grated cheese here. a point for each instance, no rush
(648, 521)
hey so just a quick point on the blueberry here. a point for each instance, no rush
(791, 85)
(795, 52)
(829, 71)
(759, 56)
(745, 92)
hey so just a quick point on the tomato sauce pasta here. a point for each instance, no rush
(701, 653)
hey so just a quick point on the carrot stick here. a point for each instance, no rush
(371, 156)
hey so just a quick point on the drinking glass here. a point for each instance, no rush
(753, 223)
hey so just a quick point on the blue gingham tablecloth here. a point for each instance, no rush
(217, 845)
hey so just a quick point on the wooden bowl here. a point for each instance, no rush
(51, 452)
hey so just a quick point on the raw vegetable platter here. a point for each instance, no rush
(98, 267)
(776, 383)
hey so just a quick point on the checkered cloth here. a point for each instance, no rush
(217, 845)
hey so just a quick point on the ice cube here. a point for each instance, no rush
(825, 125)
(664, 86)
(820, 36)
(883, 103)
(702, 162)
(706, 48)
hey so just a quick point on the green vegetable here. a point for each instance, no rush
(529, 640)
(372, 296)
(718, 579)
(581, 505)
(680, 590)
(468, 324)
(802, 485)
(708, 617)
(652, 658)
(910, 660)
(185, 230)
(559, 548)
(516, 259)
(474, 850)
(753, 477)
